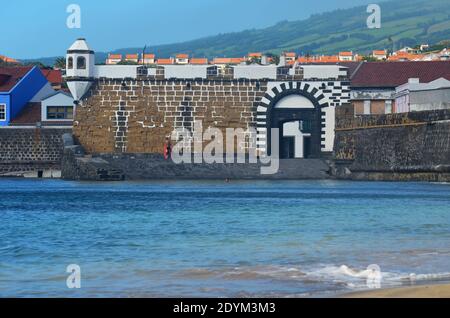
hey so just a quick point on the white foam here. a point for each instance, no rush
(356, 279)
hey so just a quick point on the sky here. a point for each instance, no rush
(34, 29)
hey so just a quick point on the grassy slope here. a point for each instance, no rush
(408, 22)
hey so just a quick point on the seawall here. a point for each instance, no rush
(119, 167)
(398, 147)
(31, 152)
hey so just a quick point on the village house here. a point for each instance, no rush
(182, 59)
(254, 57)
(28, 98)
(443, 55)
(18, 87)
(318, 59)
(346, 57)
(133, 58)
(380, 55)
(415, 96)
(401, 56)
(290, 57)
(113, 59)
(168, 61)
(374, 84)
(408, 50)
(147, 59)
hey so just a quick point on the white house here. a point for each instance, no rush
(113, 59)
(147, 59)
(58, 107)
(346, 57)
(415, 96)
(380, 55)
(182, 59)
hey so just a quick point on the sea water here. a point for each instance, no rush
(219, 239)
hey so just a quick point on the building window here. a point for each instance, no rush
(59, 112)
(212, 71)
(388, 107)
(2, 112)
(81, 63)
(70, 63)
(367, 105)
(306, 126)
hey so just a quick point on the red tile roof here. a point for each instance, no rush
(53, 76)
(10, 76)
(346, 54)
(257, 55)
(393, 74)
(199, 61)
(290, 54)
(405, 56)
(228, 60)
(149, 56)
(164, 61)
(114, 56)
(182, 56)
(8, 59)
(379, 52)
(319, 59)
(132, 56)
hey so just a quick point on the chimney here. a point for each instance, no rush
(264, 60)
(414, 81)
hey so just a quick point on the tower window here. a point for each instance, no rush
(81, 63)
(70, 63)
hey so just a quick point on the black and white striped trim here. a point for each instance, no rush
(273, 96)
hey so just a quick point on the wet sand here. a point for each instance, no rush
(429, 291)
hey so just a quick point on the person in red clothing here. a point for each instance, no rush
(167, 149)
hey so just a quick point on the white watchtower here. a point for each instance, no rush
(80, 64)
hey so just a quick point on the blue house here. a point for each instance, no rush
(18, 86)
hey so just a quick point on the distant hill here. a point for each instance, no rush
(406, 22)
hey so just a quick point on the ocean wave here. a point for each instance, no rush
(341, 276)
(357, 278)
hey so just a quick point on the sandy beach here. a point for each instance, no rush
(428, 291)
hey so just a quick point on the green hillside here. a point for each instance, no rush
(406, 22)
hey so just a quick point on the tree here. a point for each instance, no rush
(369, 59)
(123, 62)
(60, 63)
(275, 59)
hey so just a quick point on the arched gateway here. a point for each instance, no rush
(297, 110)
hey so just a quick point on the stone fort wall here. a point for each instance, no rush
(136, 116)
(409, 146)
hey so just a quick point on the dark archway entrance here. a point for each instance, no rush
(289, 105)
(299, 132)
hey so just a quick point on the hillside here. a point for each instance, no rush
(407, 22)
